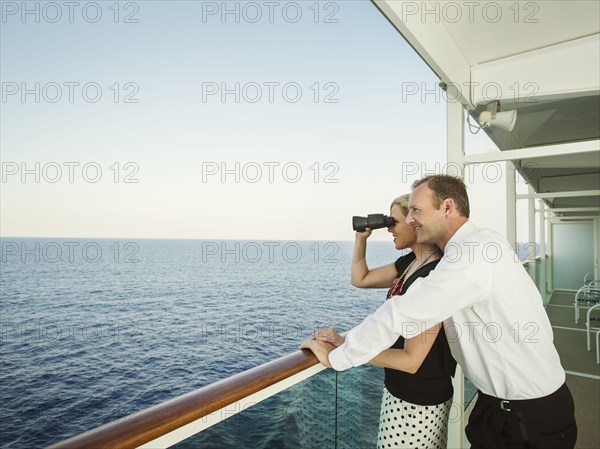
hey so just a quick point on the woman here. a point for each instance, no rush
(418, 387)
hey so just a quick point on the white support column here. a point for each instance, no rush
(548, 216)
(596, 228)
(455, 138)
(543, 262)
(511, 204)
(455, 122)
(551, 257)
(531, 240)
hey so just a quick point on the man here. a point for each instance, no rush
(494, 320)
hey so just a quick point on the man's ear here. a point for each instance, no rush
(448, 206)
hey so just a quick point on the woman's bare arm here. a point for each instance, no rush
(360, 275)
(411, 357)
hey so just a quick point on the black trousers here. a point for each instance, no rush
(543, 423)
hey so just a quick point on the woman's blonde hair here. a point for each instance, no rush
(402, 203)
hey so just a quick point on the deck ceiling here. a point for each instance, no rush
(540, 58)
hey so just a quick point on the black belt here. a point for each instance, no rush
(519, 404)
(508, 404)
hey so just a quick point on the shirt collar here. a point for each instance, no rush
(467, 228)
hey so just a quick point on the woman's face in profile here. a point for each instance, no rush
(404, 235)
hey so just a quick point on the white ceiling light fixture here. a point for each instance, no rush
(493, 118)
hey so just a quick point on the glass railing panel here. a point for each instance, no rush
(300, 416)
(470, 392)
(359, 392)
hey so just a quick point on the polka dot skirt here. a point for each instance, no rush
(406, 425)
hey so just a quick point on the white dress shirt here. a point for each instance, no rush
(493, 317)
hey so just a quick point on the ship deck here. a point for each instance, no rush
(583, 373)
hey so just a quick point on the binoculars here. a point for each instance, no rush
(372, 221)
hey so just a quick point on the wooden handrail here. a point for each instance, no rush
(156, 421)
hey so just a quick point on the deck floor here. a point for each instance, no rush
(583, 373)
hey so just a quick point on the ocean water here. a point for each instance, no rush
(94, 330)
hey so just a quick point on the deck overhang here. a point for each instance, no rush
(540, 58)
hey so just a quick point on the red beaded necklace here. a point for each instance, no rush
(398, 283)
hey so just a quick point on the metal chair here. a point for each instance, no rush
(589, 277)
(588, 293)
(598, 347)
(588, 323)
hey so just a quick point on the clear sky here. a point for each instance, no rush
(178, 119)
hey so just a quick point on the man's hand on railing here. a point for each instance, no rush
(329, 335)
(320, 349)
